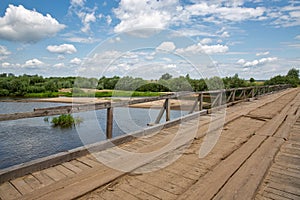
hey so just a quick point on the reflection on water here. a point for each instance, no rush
(27, 139)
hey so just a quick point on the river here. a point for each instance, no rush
(28, 139)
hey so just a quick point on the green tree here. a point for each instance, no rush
(166, 76)
(293, 73)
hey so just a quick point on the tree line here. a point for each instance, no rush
(11, 85)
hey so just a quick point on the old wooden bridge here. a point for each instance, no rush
(256, 156)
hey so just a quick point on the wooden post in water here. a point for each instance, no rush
(167, 107)
(109, 123)
(200, 98)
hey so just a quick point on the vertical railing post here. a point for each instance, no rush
(252, 92)
(167, 107)
(200, 97)
(220, 98)
(109, 123)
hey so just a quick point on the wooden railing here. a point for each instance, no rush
(202, 100)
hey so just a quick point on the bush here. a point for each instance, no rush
(65, 121)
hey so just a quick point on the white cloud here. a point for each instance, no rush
(86, 19)
(59, 65)
(5, 65)
(63, 49)
(136, 14)
(33, 63)
(286, 16)
(85, 14)
(22, 25)
(241, 61)
(86, 40)
(207, 49)
(294, 45)
(206, 41)
(77, 2)
(227, 13)
(225, 34)
(108, 19)
(260, 61)
(297, 37)
(166, 46)
(75, 61)
(4, 52)
(263, 53)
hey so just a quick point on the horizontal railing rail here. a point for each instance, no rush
(203, 99)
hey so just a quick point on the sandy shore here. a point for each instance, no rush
(175, 104)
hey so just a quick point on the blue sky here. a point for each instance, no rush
(255, 38)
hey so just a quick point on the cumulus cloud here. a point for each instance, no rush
(4, 52)
(286, 16)
(225, 34)
(257, 62)
(22, 25)
(59, 65)
(263, 53)
(62, 49)
(86, 19)
(206, 41)
(136, 14)
(6, 65)
(166, 46)
(75, 61)
(207, 49)
(297, 37)
(33, 63)
(241, 61)
(85, 14)
(108, 19)
(77, 2)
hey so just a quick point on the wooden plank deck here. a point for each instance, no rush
(283, 178)
(252, 131)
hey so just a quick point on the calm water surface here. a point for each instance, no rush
(28, 139)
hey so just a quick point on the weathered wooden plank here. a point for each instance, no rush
(8, 192)
(43, 178)
(211, 182)
(136, 192)
(117, 194)
(75, 186)
(252, 172)
(72, 167)
(150, 189)
(21, 186)
(54, 174)
(64, 170)
(32, 182)
(89, 161)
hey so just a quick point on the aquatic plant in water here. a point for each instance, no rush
(65, 120)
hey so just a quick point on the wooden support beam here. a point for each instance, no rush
(160, 114)
(194, 105)
(109, 123)
(233, 95)
(215, 101)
